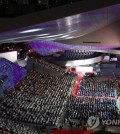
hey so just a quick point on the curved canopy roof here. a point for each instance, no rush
(71, 27)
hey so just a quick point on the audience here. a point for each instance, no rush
(96, 97)
(11, 127)
(96, 87)
(49, 66)
(38, 99)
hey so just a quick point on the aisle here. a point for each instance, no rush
(80, 75)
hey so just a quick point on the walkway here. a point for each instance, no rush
(76, 88)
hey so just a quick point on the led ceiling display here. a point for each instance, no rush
(49, 47)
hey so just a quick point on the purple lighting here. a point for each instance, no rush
(49, 47)
(13, 72)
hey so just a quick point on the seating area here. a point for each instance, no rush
(81, 108)
(10, 75)
(11, 127)
(38, 99)
(49, 66)
(97, 87)
(76, 55)
(96, 97)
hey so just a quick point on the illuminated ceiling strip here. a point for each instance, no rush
(31, 30)
(20, 37)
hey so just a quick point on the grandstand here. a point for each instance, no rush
(44, 66)
(96, 96)
(43, 94)
(47, 101)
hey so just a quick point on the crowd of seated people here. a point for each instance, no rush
(11, 127)
(96, 87)
(96, 97)
(81, 108)
(76, 55)
(38, 99)
(49, 66)
(10, 74)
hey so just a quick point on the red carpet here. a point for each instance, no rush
(80, 75)
(69, 132)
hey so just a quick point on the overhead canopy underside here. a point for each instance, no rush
(100, 27)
